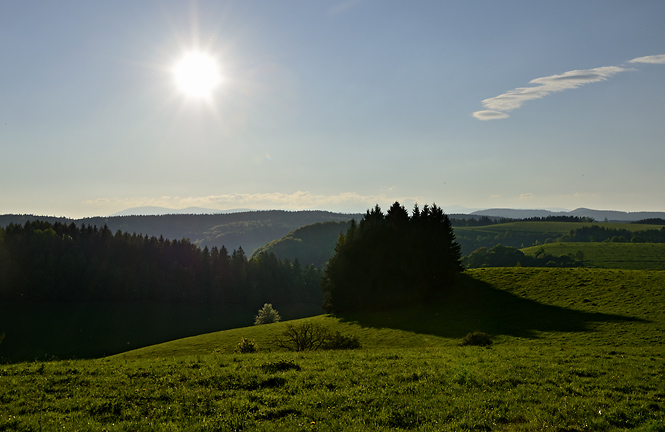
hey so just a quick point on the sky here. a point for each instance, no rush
(332, 105)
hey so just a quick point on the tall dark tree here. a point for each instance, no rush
(392, 259)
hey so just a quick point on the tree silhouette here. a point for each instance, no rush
(392, 259)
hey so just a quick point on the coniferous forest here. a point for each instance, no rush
(42, 261)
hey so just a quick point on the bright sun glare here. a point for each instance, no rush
(197, 75)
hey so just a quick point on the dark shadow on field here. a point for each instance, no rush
(43, 331)
(474, 305)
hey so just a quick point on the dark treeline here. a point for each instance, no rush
(557, 219)
(486, 220)
(42, 261)
(650, 221)
(481, 221)
(597, 233)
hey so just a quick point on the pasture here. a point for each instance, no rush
(609, 255)
(574, 350)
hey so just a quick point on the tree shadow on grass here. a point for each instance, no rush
(474, 305)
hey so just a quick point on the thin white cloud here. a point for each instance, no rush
(497, 106)
(299, 200)
(526, 196)
(490, 115)
(514, 99)
(654, 59)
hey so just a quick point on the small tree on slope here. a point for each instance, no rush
(267, 314)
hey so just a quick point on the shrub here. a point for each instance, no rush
(338, 341)
(303, 337)
(476, 338)
(310, 336)
(246, 346)
(267, 314)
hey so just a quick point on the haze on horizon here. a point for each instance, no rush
(334, 105)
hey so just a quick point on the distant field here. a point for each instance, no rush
(575, 350)
(559, 228)
(610, 255)
(525, 234)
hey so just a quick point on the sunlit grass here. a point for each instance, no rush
(574, 349)
(610, 255)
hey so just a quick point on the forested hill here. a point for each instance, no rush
(249, 230)
(311, 244)
(40, 261)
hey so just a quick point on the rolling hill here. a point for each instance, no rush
(249, 230)
(608, 255)
(574, 349)
(312, 244)
(516, 305)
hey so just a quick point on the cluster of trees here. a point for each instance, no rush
(557, 219)
(597, 233)
(481, 221)
(650, 221)
(505, 256)
(392, 259)
(41, 261)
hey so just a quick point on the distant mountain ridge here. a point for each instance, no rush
(599, 215)
(254, 229)
(159, 211)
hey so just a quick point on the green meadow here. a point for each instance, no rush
(574, 350)
(609, 255)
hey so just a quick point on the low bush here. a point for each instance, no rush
(310, 336)
(246, 346)
(338, 341)
(476, 338)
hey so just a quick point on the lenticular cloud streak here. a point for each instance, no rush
(514, 99)
(497, 106)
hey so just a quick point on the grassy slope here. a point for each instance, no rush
(576, 349)
(610, 255)
(524, 305)
(524, 234)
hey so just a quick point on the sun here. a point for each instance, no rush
(197, 75)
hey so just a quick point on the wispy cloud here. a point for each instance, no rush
(490, 115)
(299, 200)
(498, 106)
(526, 196)
(654, 59)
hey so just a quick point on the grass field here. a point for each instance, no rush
(610, 255)
(575, 350)
(553, 228)
(525, 234)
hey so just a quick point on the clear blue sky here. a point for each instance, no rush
(334, 105)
